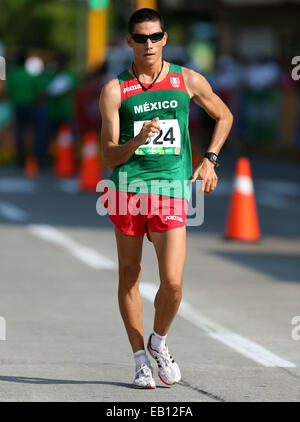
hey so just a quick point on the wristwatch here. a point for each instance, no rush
(212, 157)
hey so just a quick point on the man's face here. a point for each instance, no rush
(148, 52)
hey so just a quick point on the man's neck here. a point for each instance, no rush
(147, 72)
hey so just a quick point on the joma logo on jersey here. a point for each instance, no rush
(131, 88)
(155, 106)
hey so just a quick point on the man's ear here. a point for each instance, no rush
(165, 39)
(129, 40)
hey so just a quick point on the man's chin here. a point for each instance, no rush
(151, 59)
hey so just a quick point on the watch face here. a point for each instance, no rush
(212, 157)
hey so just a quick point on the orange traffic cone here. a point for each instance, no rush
(90, 168)
(242, 220)
(64, 165)
(31, 168)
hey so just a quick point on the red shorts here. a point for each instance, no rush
(136, 213)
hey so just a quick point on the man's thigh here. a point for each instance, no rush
(170, 247)
(129, 248)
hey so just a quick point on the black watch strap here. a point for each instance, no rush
(212, 157)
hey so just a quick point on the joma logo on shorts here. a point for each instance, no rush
(173, 217)
(155, 106)
(131, 88)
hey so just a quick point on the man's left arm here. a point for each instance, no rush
(201, 93)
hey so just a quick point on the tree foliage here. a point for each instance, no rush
(43, 24)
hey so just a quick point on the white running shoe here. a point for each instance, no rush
(168, 370)
(144, 377)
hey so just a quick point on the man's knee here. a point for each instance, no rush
(173, 284)
(129, 274)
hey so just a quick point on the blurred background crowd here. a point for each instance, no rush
(59, 53)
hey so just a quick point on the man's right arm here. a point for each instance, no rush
(112, 153)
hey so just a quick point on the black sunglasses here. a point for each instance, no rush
(141, 38)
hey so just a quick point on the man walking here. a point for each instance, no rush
(145, 136)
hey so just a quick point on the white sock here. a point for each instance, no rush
(157, 341)
(141, 357)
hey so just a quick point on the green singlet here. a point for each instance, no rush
(163, 165)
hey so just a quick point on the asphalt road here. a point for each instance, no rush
(65, 340)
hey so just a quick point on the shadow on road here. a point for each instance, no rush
(34, 380)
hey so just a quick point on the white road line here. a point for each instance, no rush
(68, 186)
(270, 193)
(94, 259)
(252, 350)
(17, 185)
(271, 199)
(224, 187)
(12, 213)
(283, 187)
(87, 255)
(2, 328)
(240, 344)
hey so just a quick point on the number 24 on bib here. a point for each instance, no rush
(167, 141)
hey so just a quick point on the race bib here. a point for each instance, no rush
(167, 141)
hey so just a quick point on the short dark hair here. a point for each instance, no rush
(144, 15)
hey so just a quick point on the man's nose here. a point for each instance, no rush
(148, 43)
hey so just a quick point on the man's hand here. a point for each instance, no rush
(113, 153)
(206, 172)
(148, 130)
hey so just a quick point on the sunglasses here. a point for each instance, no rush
(141, 38)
